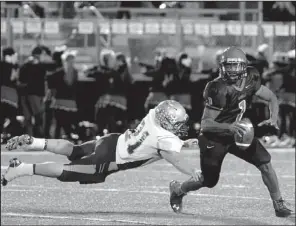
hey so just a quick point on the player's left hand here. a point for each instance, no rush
(191, 143)
(269, 122)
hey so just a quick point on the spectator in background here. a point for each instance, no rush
(50, 93)
(199, 86)
(283, 11)
(101, 73)
(9, 98)
(32, 89)
(179, 87)
(214, 72)
(259, 109)
(111, 108)
(279, 61)
(283, 85)
(121, 14)
(291, 69)
(64, 82)
(261, 59)
(38, 9)
(161, 77)
(287, 100)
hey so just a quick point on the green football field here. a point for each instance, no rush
(140, 196)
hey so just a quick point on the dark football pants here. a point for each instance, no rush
(90, 161)
(212, 154)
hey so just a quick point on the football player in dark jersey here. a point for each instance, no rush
(227, 98)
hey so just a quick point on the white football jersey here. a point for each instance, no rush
(145, 142)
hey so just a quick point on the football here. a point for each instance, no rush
(243, 141)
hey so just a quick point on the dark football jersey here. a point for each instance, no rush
(230, 100)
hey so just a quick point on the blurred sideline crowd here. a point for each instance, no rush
(40, 96)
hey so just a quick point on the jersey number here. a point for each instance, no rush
(242, 105)
(131, 147)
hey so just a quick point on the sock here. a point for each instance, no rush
(48, 169)
(276, 195)
(190, 185)
(27, 169)
(39, 144)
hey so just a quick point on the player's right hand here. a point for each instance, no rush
(237, 129)
(19, 142)
(197, 175)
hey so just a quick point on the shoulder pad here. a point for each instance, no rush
(253, 73)
(215, 94)
(215, 87)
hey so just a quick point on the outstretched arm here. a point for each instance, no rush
(176, 158)
(29, 143)
(177, 161)
(266, 94)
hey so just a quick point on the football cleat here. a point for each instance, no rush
(175, 196)
(281, 209)
(19, 141)
(12, 172)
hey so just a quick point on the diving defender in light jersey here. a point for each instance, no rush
(155, 138)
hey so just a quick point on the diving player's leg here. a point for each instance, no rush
(75, 171)
(211, 158)
(57, 146)
(18, 169)
(93, 168)
(257, 155)
(96, 166)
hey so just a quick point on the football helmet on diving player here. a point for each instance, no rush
(172, 116)
(233, 64)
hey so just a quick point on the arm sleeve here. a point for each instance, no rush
(172, 144)
(215, 96)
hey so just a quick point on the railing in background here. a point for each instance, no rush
(139, 38)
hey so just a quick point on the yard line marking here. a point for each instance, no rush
(16, 190)
(229, 160)
(233, 186)
(11, 214)
(139, 187)
(18, 153)
(185, 152)
(257, 175)
(141, 170)
(139, 191)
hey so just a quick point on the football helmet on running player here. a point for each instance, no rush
(233, 64)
